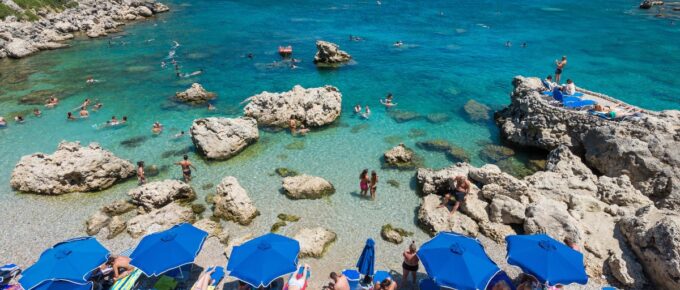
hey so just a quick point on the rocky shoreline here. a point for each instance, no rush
(52, 26)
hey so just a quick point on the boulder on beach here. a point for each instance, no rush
(159, 220)
(307, 187)
(328, 53)
(196, 94)
(72, 168)
(233, 203)
(157, 194)
(401, 157)
(223, 138)
(439, 181)
(314, 241)
(314, 107)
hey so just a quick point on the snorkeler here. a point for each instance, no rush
(179, 135)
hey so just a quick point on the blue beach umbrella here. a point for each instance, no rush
(546, 259)
(457, 262)
(72, 260)
(163, 251)
(63, 285)
(366, 262)
(262, 260)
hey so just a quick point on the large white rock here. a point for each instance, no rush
(72, 168)
(434, 219)
(314, 241)
(160, 193)
(315, 107)
(223, 138)
(233, 203)
(195, 94)
(18, 48)
(159, 220)
(330, 53)
(307, 187)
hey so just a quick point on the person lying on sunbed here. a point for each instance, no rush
(120, 266)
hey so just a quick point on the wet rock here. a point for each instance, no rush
(648, 4)
(307, 187)
(328, 53)
(457, 154)
(394, 235)
(438, 145)
(157, 194)
(277, 226)
(118, 207)
(437, 118)
(288, 217)
(133, 142)
(159, 220)
(358, 128)
(223, 138)
(314, 241)
(477, 111)
(493, 153)
(233, 203)
(285, 172)
(415, 133)
(314, 107)
(207, 186)
(296, 145)
(196, 94)
(198, 208)
(403, 116)
(72, 168)
(401, 157)
(654, 236)
(393, 183)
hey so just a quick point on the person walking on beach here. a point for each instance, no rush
(410, 264)
(374, 184)
(363, 182)
(140, 172)
(186, 168)
(560, 67)
(460, 192)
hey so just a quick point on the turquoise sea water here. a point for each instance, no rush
(454, 51)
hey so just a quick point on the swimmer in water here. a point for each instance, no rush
(303, 130)
(163, 64)
(70, 117)
(157, 128)
(36, 112)
(3, 123)
(249, 56)
(524, 45)
(19, 119)
(357, 109)
(52, 102)
(112, 122)
(176, 44)
(97, 106)
(124, 120)
(399, 43)
(91, 80)
(508, 44)
(84, 113)
(179, 135)
(387, 102)
(367, 113)
(211, 107)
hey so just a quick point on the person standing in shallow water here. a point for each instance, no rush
(186, 168)
(374, 184)
(410, 264)
(140, 172)
(560, 67)
(363, 182)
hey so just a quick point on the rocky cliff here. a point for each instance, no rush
(31, 27)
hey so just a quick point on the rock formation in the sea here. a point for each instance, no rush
(328, 53)
(223, 138)
(233, 203)
(643, 148)
(401, 157)
(477, 111)
(196, 94)
(157, 194)
(314, 107)
(566, 201)
(654, 236)
(44, 28)
(314, 241)
(159, 219)
(307, 187)
(72, 168)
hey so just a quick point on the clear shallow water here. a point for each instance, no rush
(454, 52)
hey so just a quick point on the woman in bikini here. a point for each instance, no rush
(374, 184)
(410, 263)
(363, 182)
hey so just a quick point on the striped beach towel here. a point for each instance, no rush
(128, 282)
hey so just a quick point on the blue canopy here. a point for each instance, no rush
(63, 285)
(72, 260)
(456, 261)
(546, 259)
(366, 262)
(160, 252)
(262, 260)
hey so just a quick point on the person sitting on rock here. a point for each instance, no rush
(460, 192)
(549, 84)
(569, 88)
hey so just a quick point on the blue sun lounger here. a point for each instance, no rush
(353, 277)
(571, 102)
(380, 276)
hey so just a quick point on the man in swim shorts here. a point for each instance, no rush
(461, 189)
(186, 168)
(560, 66)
